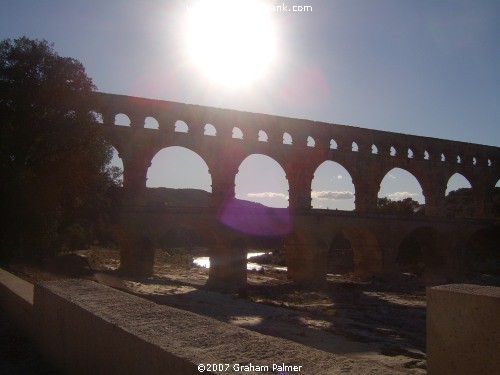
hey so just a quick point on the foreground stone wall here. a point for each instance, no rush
(463, 329)
(85, 327)
(16, 299)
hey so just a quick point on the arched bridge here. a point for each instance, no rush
(299, 146)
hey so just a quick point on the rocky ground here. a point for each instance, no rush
(378, 320)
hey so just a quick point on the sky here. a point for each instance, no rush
(418, 67)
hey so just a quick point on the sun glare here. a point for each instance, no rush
(232, 42)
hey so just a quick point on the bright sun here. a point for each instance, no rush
(232, 42)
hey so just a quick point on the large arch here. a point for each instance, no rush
(482, 254)
(262, 179)
(457, 181)
(332, 187)
(425, 253)
(398, 185)
(116, 164)
(167, 170)
(459, 199)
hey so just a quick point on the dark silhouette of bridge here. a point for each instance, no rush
(368, 155)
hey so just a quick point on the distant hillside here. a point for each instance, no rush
(162, 196)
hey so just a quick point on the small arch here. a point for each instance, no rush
(410, 153)
(333, 144)
(443, 158)
(474, 161)
(262, 136)
(311, 142)
(151, 123)
(122, 120)
(374, 150)
(287, 139)
(392, 151)
(459, 159)
(237, 133)
(426, 155)
(489, 163)
(181, 127)
(354, 147)
(98, 117)
(210, 130)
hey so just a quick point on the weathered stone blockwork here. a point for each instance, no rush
(463, 329)
(88, 328)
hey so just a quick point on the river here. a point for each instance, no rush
(205, 262)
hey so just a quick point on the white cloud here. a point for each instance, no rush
(400, 195)
(268, 194)
(336, 195)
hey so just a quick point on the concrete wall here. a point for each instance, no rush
(16, 299)
(463, 329)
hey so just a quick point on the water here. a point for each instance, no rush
(205, 262)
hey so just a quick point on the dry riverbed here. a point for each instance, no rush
(379, 320)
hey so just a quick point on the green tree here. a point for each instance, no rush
(406, 206)
(53, 159)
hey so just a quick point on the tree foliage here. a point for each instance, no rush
(53, 159)
(406, 206)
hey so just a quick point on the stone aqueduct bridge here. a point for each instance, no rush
(368, 155)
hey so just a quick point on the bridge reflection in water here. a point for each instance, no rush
(225, 227)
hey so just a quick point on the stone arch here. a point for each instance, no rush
(116, 165)
(410, 153)
(424, 252)
(98, 117)
(122, 119)
(181, 127)
(457, 181)
(354, 147)
(210, 130)
(151, 123)
(311, 142)
(392, 151)
(287, 139)
(237, 133)
(328, 175)
(165, 170)
(459, 197)
(262, 136)
(399, 183)
(426, 155)
(340, 256)
(374, 149)
(333, 144)
(262, 179)
(482, 255)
